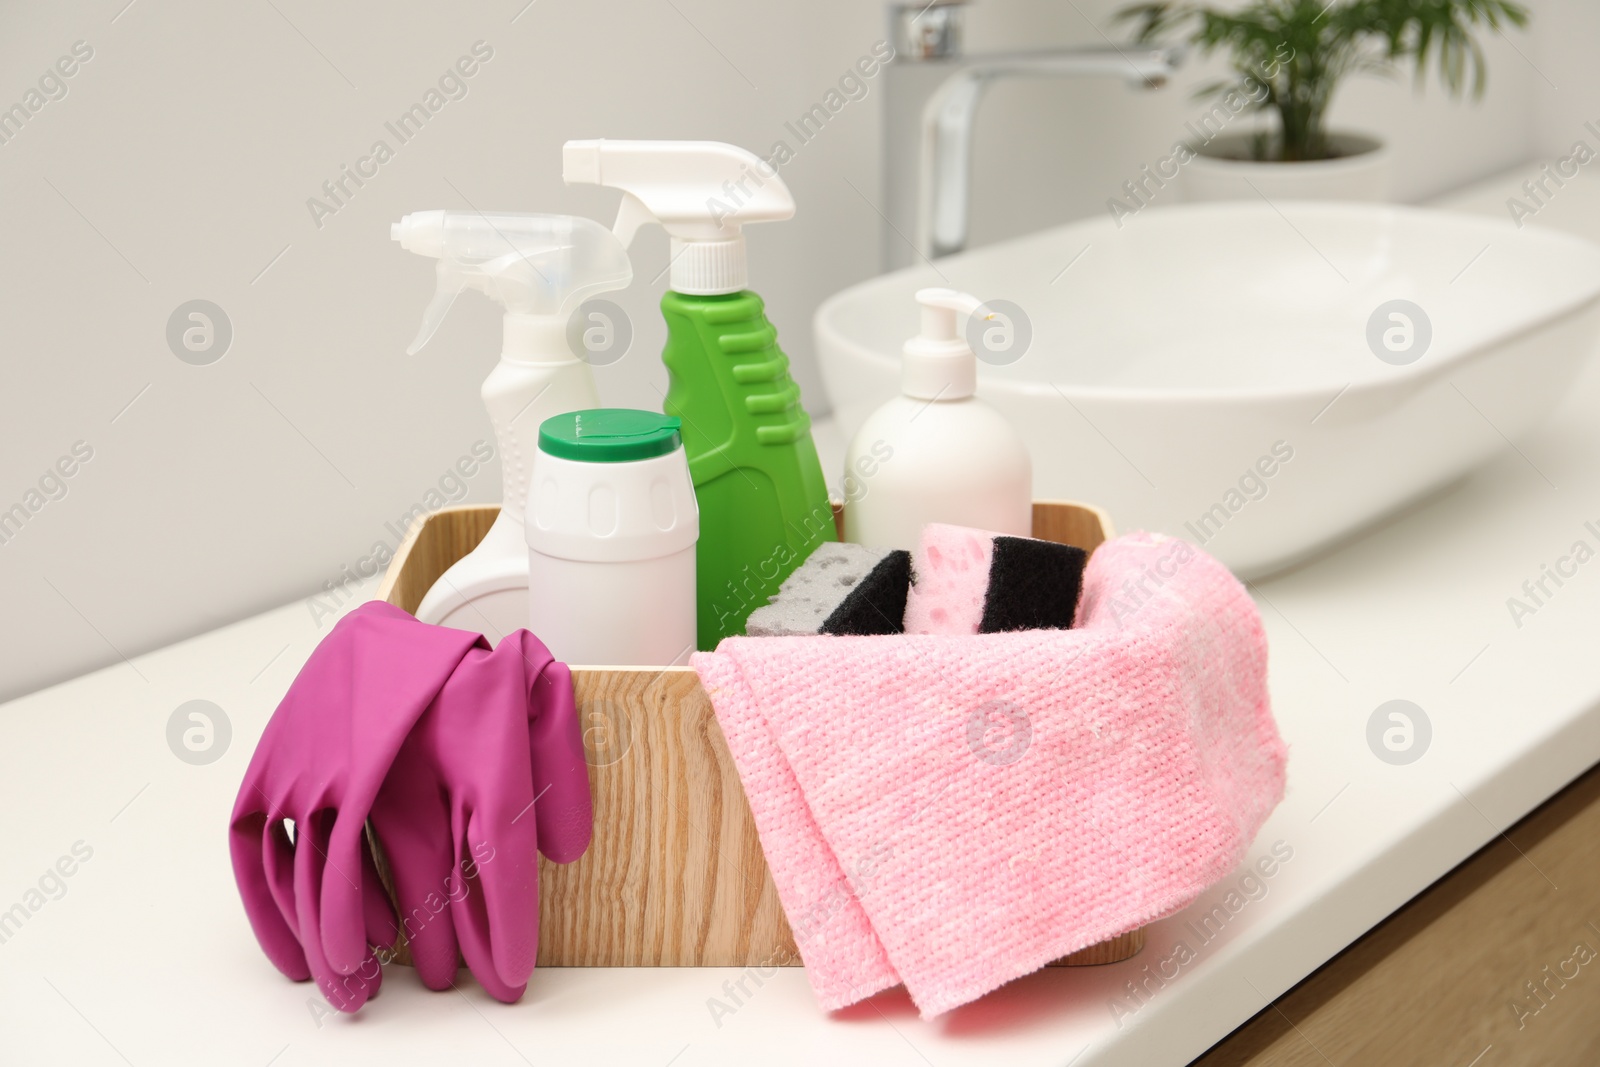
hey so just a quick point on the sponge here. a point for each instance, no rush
(975, 582)
(840, 589)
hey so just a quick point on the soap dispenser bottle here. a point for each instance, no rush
(938, 453)
(540, 268)
(763, 501)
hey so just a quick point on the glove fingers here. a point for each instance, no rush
(417, 841)
(249, 843)
(345, 895)
(382, 929)
(482, 968)
(481, 940)
(277, 854)
(346, 992)
(565, 812)
(500, 924)
(479, 950)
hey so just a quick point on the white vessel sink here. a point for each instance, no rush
(1180, 358)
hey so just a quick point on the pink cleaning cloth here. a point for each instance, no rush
(952, 812)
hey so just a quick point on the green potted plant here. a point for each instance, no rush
(1286, 58)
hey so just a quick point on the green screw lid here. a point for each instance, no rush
(609, 435)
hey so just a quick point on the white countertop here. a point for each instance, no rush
(143, 955)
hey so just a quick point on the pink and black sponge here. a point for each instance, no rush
(968, 581)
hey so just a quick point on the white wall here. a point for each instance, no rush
(1566, 84)
(178, 166)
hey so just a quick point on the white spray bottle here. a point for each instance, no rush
(540, 268)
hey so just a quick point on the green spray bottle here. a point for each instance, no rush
(763, 502)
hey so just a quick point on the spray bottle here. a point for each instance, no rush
(763, 502)
(540, 268)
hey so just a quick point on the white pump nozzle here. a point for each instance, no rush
(539, 267)
(701, 192)
(938, 363)
(939, 310)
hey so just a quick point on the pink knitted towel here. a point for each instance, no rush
(953, 812)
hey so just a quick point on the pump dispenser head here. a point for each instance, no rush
(701, 192)
(939, 363)
(539, 268)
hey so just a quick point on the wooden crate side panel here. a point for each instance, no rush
(675, 876)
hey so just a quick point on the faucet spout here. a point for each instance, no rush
(950, 112)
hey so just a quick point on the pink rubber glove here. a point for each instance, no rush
(316, 904)
(458, 821)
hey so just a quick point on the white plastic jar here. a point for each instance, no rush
(611, 526)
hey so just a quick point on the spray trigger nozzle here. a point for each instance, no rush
(535, 266)
(703, 193)
(444, 297)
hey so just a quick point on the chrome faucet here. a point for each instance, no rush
(931, 98)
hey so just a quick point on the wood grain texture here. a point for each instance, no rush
(432, 544)
(1444, 980)
(1068, 523)
(1119, 948)
(675, 875)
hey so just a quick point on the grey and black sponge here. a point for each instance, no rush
(841, 588)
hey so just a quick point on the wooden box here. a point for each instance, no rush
(675, 876)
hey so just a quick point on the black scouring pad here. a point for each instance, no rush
(877, 604)
(1033, 585)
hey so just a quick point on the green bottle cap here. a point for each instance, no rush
(609, 435)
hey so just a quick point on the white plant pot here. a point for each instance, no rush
(1223, 171)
